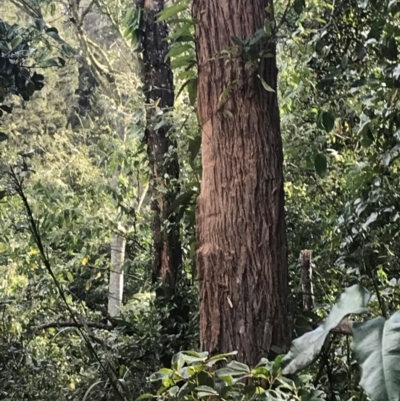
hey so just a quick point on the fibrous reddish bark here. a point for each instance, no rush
(242, 251)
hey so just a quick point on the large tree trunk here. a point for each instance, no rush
(159, 92)
(241, 234)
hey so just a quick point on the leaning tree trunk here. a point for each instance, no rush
(159, 93)
(241, 235)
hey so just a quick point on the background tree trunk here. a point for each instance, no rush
(159, 94)
(116, 282)
(241, 234)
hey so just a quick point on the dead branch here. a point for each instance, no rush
(93, 325)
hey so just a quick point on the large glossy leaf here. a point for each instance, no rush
(305, 349)
(376, 345)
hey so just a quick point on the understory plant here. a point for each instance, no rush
(376, 348)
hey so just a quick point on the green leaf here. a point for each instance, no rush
(321, 165)
(376, 346)
(178, 49)
(238, 366)
(53, 33)
(182, 199)
(189, 359)
(178, 361)
(145, 396)
(51, 62)
(228, 372)
(206, 389)
(40, 24)
(299, 6)
(194, 147)
(169, 12)
(6, 108)
(222, 357)
(192, 91)
(261, 372)
(265, 85)
(183, 61)
(237, 41)
(173, 391)
(305, 349)
(157, 376)
(16, 41)
(326, 121)
(70, 277)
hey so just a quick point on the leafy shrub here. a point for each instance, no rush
(194, 376)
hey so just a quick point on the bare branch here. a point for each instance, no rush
(94, 325)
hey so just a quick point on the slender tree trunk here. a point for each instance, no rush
(306, 280)
(241, 233)
(116, 282)
(159, 92)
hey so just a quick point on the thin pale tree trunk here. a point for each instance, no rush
(241, 235)
(116, 281)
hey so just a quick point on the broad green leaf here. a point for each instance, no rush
(182, 199)
(158, 376)
(299, 6)
(51, 62)
(238, 366)
(169, 12)
(52, 32)
(183, 61)
(178, 49)
(206, 389)
(305, 349)
(376, 346)
(16, 41)
(173, 391)
(40, 24)
(261, 372)
(222, 357)
(228, 372)
(192, 91)
(326, 121)
(237, 41)
(178, 361)
(321, 165)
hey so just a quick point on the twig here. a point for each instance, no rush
(94, 325)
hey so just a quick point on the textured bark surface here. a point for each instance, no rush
(242, 251)
(158, 80)
(159, 92)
